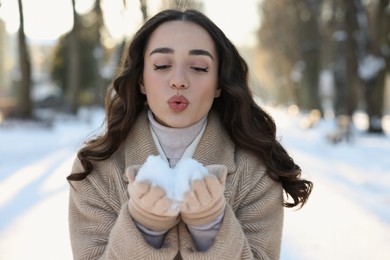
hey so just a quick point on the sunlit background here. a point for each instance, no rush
(320, 68)
(47, 20)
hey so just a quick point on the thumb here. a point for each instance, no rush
(131, 172)
(219, 170)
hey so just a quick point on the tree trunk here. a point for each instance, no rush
(310, 53)
(144, 10)
(74, 65)
(351, 83)
(345, 57)
(375, 87)
(24, 104)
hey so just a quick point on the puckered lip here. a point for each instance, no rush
(178, 100)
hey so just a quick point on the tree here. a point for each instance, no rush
(144, 9)
(299, 39)
(345, 57)
(120, 49)
(375, 63)
(360, 57)
(309, 46)
(24, 104)
(88, 57)
(289, 36)
(182, 4)
(73, 70)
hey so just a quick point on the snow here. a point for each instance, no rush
(34, 163)
(340, 36)
(187, 170)
(174, 181)
(370, 66)
(348, 213)
(347, 216)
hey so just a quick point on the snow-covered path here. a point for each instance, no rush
(348, 213)
(347, 217)
(34, 162)
(333, 226)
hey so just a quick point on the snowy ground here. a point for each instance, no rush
(348, 214)
(347, 217)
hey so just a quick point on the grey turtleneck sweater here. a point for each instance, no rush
(174, 141)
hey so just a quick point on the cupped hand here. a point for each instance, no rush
(205, 201)
(148, 204)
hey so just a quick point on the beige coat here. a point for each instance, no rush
(101, 226)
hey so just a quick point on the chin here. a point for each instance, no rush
(177, 120)
(178, 123)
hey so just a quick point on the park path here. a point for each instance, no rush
(334, 226)
(33, 211)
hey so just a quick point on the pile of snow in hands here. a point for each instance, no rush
(175, 181)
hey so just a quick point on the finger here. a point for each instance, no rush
(222, 178)
(190, 202)
(183, 206)
(220, 171)
(214, 186)
(140, 188)
(172, 212)
(150, 198)
(130, 173)
(165, 207)
(202, 194)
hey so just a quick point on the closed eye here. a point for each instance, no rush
(200, 69)
(161, 67)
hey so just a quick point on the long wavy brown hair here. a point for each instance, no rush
(248, 125)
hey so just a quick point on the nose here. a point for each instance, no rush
(179, 79)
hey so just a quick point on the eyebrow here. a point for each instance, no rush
(195, 52)
(201, 52)
(161, 50)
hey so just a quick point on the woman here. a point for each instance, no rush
(183, 93)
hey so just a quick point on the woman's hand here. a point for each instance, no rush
(205, 201)
(148, 204)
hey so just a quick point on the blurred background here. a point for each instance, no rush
(319, 67)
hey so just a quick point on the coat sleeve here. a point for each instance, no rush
(252, 231)
(97, 231)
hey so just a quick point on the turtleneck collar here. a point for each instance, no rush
(174, 141)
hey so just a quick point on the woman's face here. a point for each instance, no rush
(180, 73)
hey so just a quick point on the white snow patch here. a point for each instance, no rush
(370, 66)
(40, 233)
(20, 179)
(175, 181)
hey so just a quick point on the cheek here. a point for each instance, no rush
(208, 94)
(150, 80)
(209, 89)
